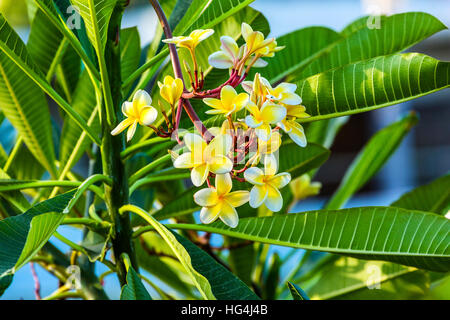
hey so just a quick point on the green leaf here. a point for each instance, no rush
(134, 289)
(374, 233)
(22, 102)
(297, 160)
(15, 57)
(349, 278)
(24, 165)
(23, 235)
(271, 278)
(130, 51)
(180, 252)
(372, 84)
(205, 14)
(5, 282)
(302, 46)
(15, 198)
(371, 159)
(364, 43)
(96, 15)
(157, 258)
(432, 197)
(73, 141)
(183, 204)
(224, 285)
(53, 54)
(296, 292)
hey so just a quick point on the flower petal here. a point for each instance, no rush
(240, 101)
(206, 197)
(270, 165)
(220, 60)
(227, 95)
(297, 134)
(246, 30)
(254, 175)
(291, 98)
(229, 215)
(184, 161)
(280, 180)
(223, 184)
(229, 46)
(195, 143)
(274, 200)
(237, 198)
(213, 103)
(247, 86)
(127, 109)
(210, 214)
(260, 63)
(220, 145)
(220, 164)
(141, 99)
(199, 174)
(264, 132)
(148, 116)
(258, 195)
(272, 113)
(251, 122)
(122, 126)
(131, 131)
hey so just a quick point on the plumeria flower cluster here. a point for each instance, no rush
(245, 147)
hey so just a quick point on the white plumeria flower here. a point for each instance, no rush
(266, 184)
(293, 128)
(230, 55)
(295, 131)
(220, 202)
(139, 111)
(265, 148)
(302, 187)
(191, 41)
(230, 102)
(282, 93)
(261, 119)
(204, 158)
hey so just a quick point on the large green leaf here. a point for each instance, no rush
(372, 84)
(23, 235)
(52, 53)
(22, 102)
(205, 14)
(413, 238)
(15, 198)
(15, 57)
(134, 289)
(370, 159)
(180, 252)
(361, 43)
(24, 165)
(224, 285)
(350, 278)
(432, 197)
(130, 51)
(73, 141)
(158, 259)
(301, 47)
(96, 15)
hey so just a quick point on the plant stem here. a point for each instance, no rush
(177, 71)
(116, 195)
